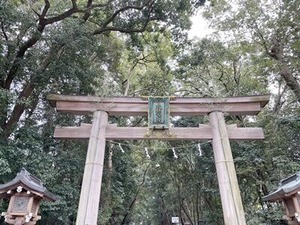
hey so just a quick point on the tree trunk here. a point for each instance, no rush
(277, 53)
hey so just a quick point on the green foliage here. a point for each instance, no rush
(211, 69)
(269, 29)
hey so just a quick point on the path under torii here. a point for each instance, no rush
(100, 131)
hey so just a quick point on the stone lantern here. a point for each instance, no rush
(25, 193)
(288, 193)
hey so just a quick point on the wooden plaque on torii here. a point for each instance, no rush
(100, 131)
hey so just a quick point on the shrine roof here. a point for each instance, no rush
(28, 182)
(287, 187)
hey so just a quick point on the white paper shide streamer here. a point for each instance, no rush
(120, 146)
(147, 153)
(199, 150)
(174, 153)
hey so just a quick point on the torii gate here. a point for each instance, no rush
(100, 131)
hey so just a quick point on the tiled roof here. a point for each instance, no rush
(286, 187)
(28, 182)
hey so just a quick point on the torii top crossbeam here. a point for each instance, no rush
(124, 106)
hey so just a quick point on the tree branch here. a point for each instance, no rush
(135, 196)
(104, 27)
(62, 16)
(88, 13)
(123, 30)
(43, 22)
(110, 19)
(263, 42)
(45, 9)
(3, 31)
(20, 107)
(90, 6)
(18, 110)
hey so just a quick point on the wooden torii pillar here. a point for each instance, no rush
(100, 131)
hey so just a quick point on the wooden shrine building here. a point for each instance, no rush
(288, 193)
(158, 110)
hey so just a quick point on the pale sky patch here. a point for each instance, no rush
(200, 28)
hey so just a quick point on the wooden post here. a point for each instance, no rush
(91, 185)
(233, 211)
